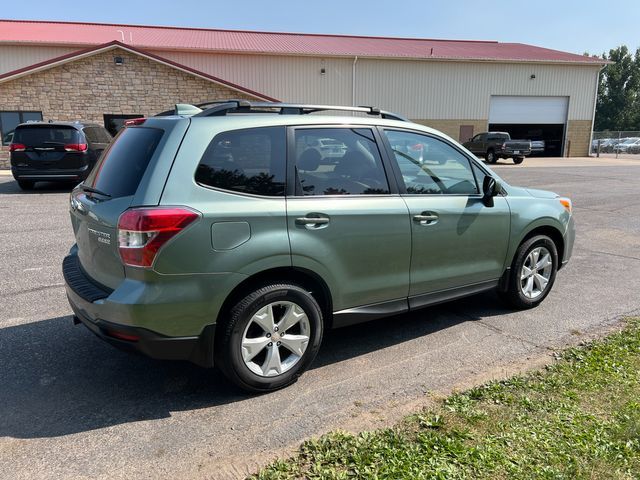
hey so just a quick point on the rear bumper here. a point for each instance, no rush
(511, 153)
(46, 175)
(88, 301)
(150, 343)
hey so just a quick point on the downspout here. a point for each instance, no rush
(595, 104)
(353, 81)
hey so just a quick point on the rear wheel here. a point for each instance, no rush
(518, 160)
(26, 184)
(490, 156)
(270, 337)
(533, 272)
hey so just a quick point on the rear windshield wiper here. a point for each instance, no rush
(87, 188)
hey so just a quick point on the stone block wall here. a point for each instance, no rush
(578, 133)
(90, 87)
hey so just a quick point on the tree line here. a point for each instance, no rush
(618, 105)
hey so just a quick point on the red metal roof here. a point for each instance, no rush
(174, 38)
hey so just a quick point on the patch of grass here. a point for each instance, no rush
(578, 418)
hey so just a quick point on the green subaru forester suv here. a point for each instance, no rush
(237, 234)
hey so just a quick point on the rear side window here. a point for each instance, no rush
(36, 136)
(120, 169)
(246, 161)
(97, 135)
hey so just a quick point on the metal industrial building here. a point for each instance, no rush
(107, 73)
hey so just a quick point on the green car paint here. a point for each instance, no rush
(372, 258)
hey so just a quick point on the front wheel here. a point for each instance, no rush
(270, 337)
(533, 272)
(518, 160)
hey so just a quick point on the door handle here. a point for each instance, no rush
(426, 218)
(312, 220)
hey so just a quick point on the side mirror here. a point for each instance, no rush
(490, 188)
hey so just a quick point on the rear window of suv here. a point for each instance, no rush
(120, 169)
(36, 136)
(246, 161)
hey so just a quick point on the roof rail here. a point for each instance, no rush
(222, 107)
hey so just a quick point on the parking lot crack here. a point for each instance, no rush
(31, 290)
(613, 254)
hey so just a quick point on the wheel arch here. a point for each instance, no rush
(550, 231)
(304, 278)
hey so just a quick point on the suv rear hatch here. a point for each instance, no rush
(109, 190)
(43, 147)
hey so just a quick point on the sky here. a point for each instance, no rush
(570, 25)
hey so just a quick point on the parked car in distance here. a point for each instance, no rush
(624, 146)
(634, 148)
(495, 145)
(537, 146)
(55, 151)
(226, 238)
(612, 146)
(603, 142)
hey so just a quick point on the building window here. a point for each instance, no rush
(10, 120)
(114, 123)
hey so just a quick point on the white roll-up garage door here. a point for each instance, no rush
(528, 110)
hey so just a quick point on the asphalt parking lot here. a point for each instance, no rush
(74, 407)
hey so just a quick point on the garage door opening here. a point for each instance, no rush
(532, 118)
(552, 135)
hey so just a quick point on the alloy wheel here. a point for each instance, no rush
(536, 272)
(275, 338)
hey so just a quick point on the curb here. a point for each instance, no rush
(5, 173)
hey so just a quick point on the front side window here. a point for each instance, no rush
(430, 166)
(339, 161)
(10, 120)
(249, 161)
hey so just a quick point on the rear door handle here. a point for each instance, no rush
(426, 218)
(312, 220)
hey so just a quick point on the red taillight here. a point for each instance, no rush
(143, 231)
(17, 147)
(76, 147)
(134, 121)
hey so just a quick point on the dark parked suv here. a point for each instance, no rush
(56, 151)
(231, 237)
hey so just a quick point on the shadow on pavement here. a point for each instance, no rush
(10, 186)
(58, 379)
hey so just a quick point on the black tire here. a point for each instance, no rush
(228, 345)
(513, 295)
(26, 184)
(518, 160)
(490, 156)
